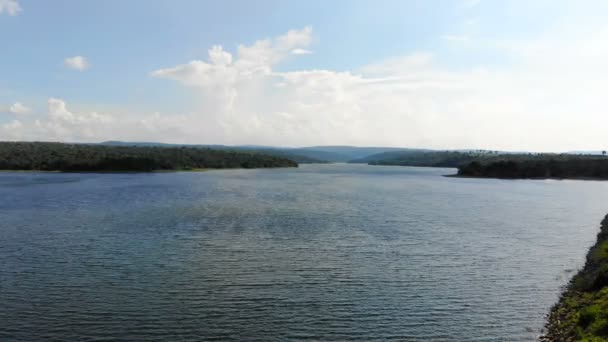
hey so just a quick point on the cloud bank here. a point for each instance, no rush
(411, 100)
(550, 89)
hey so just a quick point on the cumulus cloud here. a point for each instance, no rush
(11, 7)
(79, 63)
(257, 58)
(218, 56)
(60, 123)
(248, 101)
(10, 131)
(18, 108)
(411, 100)
(300, 52)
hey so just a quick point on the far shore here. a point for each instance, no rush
(111, 171)
(535, 178)
(151, 171)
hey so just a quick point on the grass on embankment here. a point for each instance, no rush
(582, 312)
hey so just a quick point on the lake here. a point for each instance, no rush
(324, 252)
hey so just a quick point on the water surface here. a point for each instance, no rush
(323, 252)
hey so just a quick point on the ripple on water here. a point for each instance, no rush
(323, 252)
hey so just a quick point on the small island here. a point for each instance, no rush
(47, 156)
(582, 311)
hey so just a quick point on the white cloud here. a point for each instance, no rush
(11, 7)
(15, 124)
(58, 110)
(63, 124)
(79, 63)
(218, 56)
(60, 123)
(18, 108)
(11, 130)
(300, 52)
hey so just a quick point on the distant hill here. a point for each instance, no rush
(334, 157)
(298, 157)
(348, 153)
(313, 154)
(425, 158)
(136, 143)
(388, 156)
(353, 154)
(587, 152)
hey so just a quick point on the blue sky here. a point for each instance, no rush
(443, 74)
(124, 40)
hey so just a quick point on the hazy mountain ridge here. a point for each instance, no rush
(363, 155)
(428, 158)
(313, 154)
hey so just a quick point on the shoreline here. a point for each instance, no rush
(151, 171)
(117, 171)
(581, 313)
(536, 178)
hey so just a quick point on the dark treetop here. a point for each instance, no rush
(45, 156)
(424, 158)
(539, 166)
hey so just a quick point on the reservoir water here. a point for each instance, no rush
(323, 252)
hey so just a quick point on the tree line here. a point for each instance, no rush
(540, 166)
(425, 158)
(47, 156)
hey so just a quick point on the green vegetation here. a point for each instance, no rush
(43, 156)
(493, 164)
(582, 312)
(297, 156)
(538, 166)
(425, 158)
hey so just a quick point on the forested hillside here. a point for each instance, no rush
(297, 155)
(46, 156)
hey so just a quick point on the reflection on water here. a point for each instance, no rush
(323, 252)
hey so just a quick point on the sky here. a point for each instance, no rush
(500, 75)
